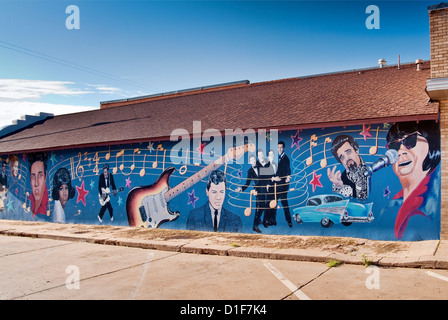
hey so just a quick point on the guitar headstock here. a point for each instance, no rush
(236, 152)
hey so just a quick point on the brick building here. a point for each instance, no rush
(165, 181)
(437, 88)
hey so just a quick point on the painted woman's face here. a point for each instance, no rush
(63, 194)
(15, 169)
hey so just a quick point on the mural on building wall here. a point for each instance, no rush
(377, 181)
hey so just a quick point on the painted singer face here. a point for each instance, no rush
(63, 194)
(411, 154)
(15, 169)
(348, 156)
(216, 194)
(38, 178)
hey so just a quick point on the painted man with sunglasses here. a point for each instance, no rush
(416, 208)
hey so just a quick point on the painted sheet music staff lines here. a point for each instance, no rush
(130, 161)
(316, 151)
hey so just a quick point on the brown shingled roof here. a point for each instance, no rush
(360, 96)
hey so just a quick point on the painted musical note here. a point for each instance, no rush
(143, 171)
(119, 154)
(164, 154)
(248, 211)
(273, 203)
(79, 167)
(373, 150)
(133, 158)
(323, 162)
(309, 160)
(184, 168)
(155, 163)
(107, 157)
(87, 158)
(26, 208)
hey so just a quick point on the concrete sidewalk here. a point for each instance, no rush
(421, 254)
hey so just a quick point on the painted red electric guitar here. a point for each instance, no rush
(147, 206)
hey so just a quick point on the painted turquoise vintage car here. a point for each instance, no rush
(331, 208)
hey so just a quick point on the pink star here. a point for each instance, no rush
(315, 182)
(128, 183)
(296, 140)
(366, 132)
(200, 149)
(82, 193)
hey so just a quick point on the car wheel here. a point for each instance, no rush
(297, 219)
(346, 223)
(326, 222)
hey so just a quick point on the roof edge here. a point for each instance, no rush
(303, 126)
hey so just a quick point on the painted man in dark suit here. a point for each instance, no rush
(282, 178)
(106, 180)
(255, 174)
(212, 216)
(3, 177)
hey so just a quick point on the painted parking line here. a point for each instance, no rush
(435, 275)
(299, 294)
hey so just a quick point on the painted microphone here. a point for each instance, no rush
(389, 158)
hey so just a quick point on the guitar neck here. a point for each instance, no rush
(188, 183)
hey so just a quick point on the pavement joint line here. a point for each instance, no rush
(307, 283)
(36, 249)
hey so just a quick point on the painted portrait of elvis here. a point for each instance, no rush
(414, 212)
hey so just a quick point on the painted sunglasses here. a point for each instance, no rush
(409, 142)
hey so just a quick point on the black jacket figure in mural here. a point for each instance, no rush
(105, 181)
(212, 216)
(284, 174)
(258, 174)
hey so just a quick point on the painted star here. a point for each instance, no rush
(200, 149)
(82, 193)
(366, 132)
(386, 125)
(296, 140)
(315, 182)
(240, 173)
(192, 198)
(120, 201)
(151, 147)
(386, 192)
(128, 182)
(92, 184)
(53, 158)
(9, 206)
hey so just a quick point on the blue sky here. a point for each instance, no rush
(131, 48)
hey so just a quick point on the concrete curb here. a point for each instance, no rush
(431, 255)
